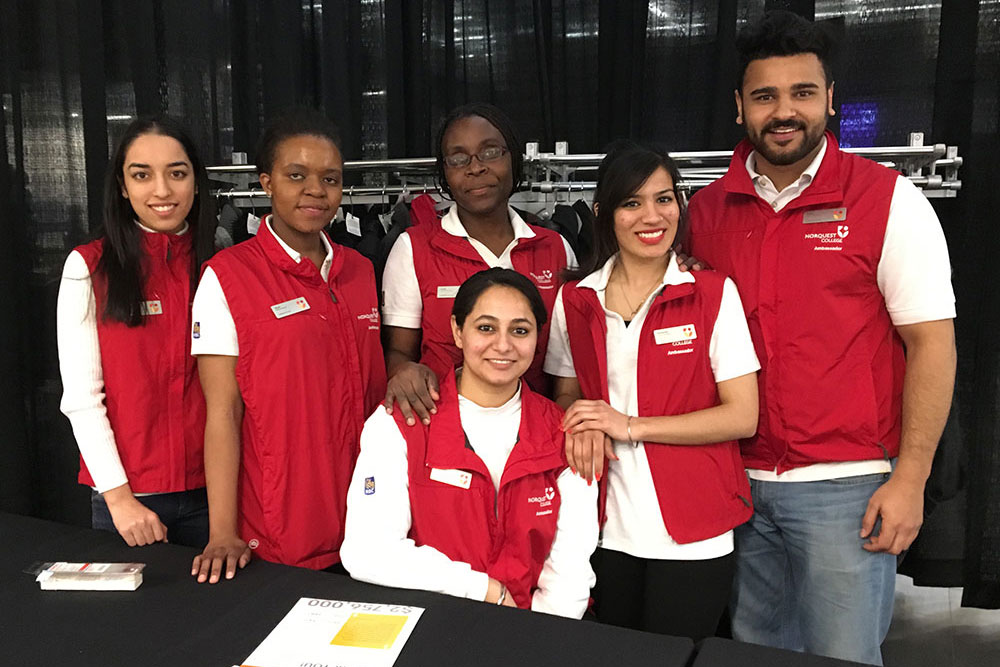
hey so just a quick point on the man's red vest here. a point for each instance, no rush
(151, 388)
(832, 364)
(308, 380)
(702, 489)
(507, 534)
(442, 262)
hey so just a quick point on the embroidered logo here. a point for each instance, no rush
(843, 231)
(543, 501)
(544, 279)
(196, 330)
(369, 486)
(372, 318)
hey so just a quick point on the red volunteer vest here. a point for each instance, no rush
(442, 262)
(507, 534)
(703, 490)
(832, 364)
(151, 388)
(308, 380)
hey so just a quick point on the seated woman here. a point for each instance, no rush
(479, 165)
(657, 370)
(480, 503)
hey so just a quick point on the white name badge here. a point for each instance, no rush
(681, 334)
(286, 308)
(459, 478)
(151, 308)
(447, 291)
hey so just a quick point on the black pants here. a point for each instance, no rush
(684, 598)
(184, 513)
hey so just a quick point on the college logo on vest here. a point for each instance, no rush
(681, 338)
(827, 240)
(543, 280)
(543, 501)
(372, 318)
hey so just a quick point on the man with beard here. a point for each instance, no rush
(845, 279)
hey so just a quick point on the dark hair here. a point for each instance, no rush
(122, 258)
(624, 169)
(477, 283)
(495, 117)
(292, 122)
(783, 33)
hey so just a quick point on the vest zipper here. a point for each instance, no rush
(885, 452)
(332, 295)
(745, 501)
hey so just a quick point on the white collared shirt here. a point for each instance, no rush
(634, 522)
(913, 275)
(377, 548)
(216, 329)
(765, 187)
(402, 305)
(82, 374)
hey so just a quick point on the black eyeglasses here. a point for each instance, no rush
(459, 160)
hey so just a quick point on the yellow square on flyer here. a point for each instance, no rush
(370, 631)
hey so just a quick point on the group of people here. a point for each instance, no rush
(650, 432)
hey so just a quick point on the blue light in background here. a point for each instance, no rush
(858, 124)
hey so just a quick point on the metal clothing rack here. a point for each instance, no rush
(554, 177)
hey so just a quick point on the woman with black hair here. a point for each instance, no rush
(130, 386)
(479, 503)
(286, 330)
(658, 375)
(479, 164)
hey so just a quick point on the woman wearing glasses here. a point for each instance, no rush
(479, 166)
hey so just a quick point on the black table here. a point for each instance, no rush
(715, 652)
(172, 620)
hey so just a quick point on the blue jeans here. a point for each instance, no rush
(803, 582)
(184, 513)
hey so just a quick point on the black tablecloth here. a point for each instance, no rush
(172, 620)
(715, 652)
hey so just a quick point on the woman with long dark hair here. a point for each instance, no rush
(479, 163)
(286, 330)
(130, 385)
(479, 503)
(658, 375)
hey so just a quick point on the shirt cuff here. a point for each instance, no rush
(401, 320)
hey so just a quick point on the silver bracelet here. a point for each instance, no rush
(628, 429)
(503, 595)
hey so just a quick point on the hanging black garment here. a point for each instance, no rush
(567, 223)
(585, 237)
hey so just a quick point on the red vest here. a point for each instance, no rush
(151, 389)
(702, 489)
(442, 261)
(308, 380)
(831, 362)
(507, 534)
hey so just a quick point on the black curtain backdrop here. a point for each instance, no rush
(73, 73)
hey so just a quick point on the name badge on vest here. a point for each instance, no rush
(671, 335)
(824, 215)
(286, 308)
(447, 291)
(459, 478)
(151, 307)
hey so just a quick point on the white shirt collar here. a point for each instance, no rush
(296, 255)
(598, 280)
(808, 174)
(184, 229)
(451, 224)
